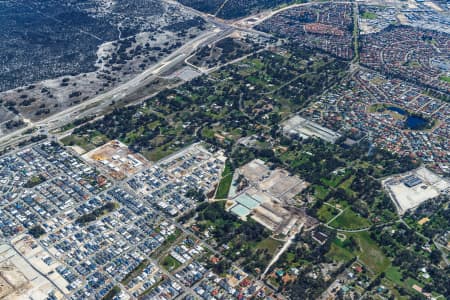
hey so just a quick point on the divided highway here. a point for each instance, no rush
(102, 101)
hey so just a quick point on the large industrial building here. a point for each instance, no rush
(298, 126)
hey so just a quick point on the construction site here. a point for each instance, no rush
(20, 280)
(116, 160)
(265, 195)
(409, 190)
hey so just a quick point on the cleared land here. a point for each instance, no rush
(116, 159)
(409, 190)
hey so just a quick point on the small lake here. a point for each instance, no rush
(411, 122)
(398, 110)
(415, 123)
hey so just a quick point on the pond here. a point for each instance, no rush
(412, 122)
(398, 110)
(415, 122)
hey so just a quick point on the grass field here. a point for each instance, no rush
(413, 64)
(326, 213)
(169, 263)
(338, 203)
(339, 254)
(370, 253)
(393, 289)
(369, 15)
(375, 107)
(334, 181)
(320, 192)
(270, 244)
(346, 186)
(394, 275)
(225, 182)
(350, 220)
(445, 78)
(158, 153)
(85, 142)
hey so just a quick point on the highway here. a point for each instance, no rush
(99, 104)
(103, 101)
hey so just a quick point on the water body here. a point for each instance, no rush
(415, 123)
(411, 122)
(398, 110)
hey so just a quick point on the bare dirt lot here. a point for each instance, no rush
(116, 159)
(5, 288)
(429, 185)
(18, 280)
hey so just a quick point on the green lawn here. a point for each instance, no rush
(34, 181)
(334, 181)
(411, 281)
(376, 107)
(350, 220)
(326, 213)
(320, 192)
(88, 143)
(394, 275)
(445, 78)
(369, 15)
(270, 244)
(370, 253)
(413, 64)
(339, 254)
(225, 182)
(394, 289)
(170, 263)
(346, 186)
(208, 133)
(339, 203)
(158, 153)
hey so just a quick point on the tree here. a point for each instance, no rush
(435, 256)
